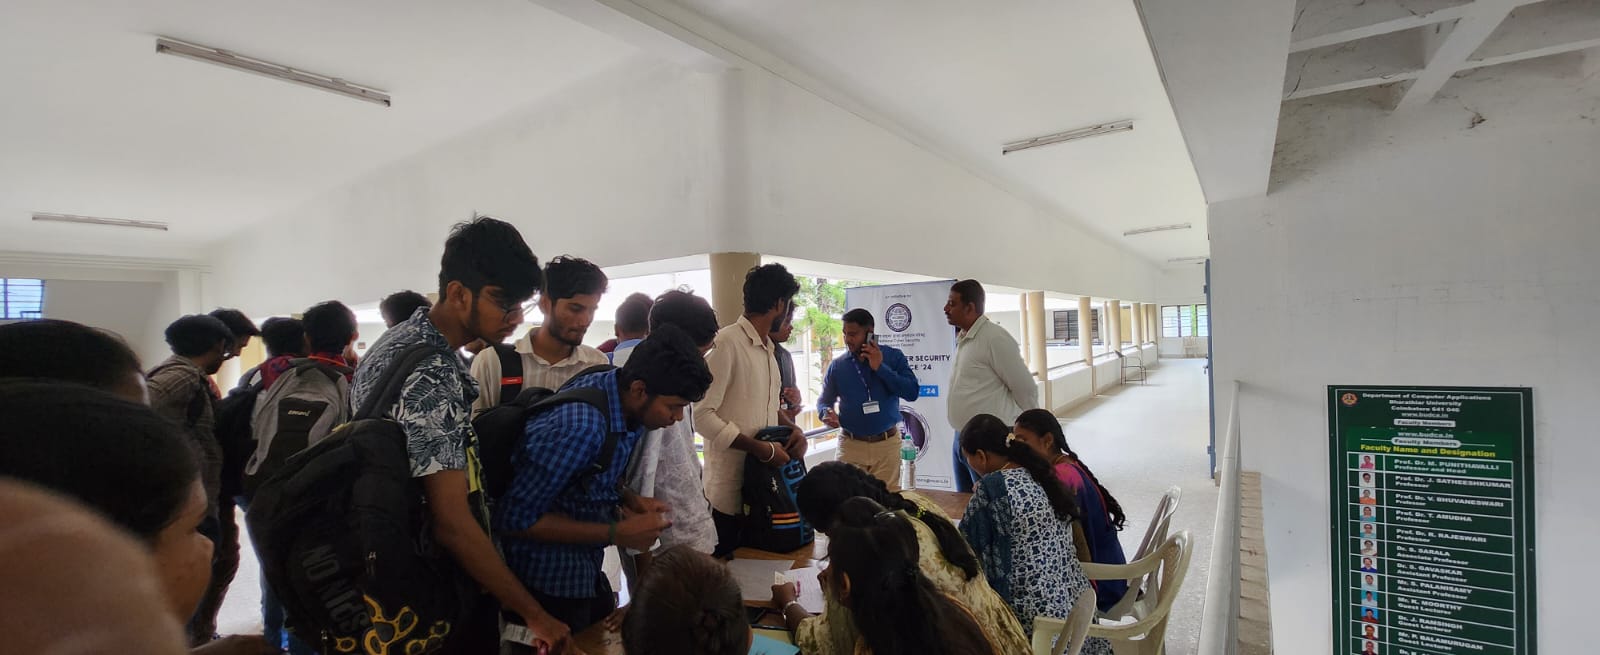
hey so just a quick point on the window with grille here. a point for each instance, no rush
(1185, 321)
(1065, 326)
(21, 298)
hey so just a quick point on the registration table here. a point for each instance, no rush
(596, 640)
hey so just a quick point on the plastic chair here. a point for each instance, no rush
(1163, 572)
(1136, 601)
(1053, 636)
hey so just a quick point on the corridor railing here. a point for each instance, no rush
(1219, 627)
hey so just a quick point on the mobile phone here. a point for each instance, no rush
(872, 338)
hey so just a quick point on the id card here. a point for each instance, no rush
(869, 407)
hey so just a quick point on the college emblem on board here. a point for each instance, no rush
(898, 317)
(1348, 399)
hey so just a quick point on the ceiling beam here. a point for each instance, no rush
(1539, 52)
(1451, 54)
(1378, 29)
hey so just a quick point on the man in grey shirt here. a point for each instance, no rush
(989, 377)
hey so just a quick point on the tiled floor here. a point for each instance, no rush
(1138, 440)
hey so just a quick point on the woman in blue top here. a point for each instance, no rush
(1020, 524)
(1102, 514)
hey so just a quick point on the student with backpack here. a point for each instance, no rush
(181, 390)
(746, 389)
(552, 353)
(427, 544)
(300, 402)
(565, 504)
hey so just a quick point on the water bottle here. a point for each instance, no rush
(908, 459)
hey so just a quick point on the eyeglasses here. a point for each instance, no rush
(508, 308)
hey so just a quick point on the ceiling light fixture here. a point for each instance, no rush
(251, 65)
(1188, 260)
(91, 220)
(1063, 137)
(1157, 228)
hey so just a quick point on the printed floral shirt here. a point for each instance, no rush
(435, 406)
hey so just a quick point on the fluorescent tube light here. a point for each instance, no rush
(91, 220)
(1157, 228)
(269, 69)
(1188, 260)
(1063, 137)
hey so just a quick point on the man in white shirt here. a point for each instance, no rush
(554, 352)
(989, 377)
(745, 391)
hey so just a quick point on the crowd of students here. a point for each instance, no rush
(606, 464)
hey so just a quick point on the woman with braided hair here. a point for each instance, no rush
(1102, 514)
(1020, 523)
(875, 576)
(687, 604)
(944, 559)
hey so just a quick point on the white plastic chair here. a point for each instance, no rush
(1136, 602)
(1163, 572)
(1053, 636)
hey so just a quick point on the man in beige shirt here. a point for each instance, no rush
(743, 399)
(553, 352)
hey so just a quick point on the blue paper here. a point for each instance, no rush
(762, 645)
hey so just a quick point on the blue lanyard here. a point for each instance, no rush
(863, 378)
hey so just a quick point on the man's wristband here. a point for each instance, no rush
(611, 534)
(771, 454)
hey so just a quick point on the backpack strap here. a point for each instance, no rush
(510, 371)
(197, 403)
(597, 399)
(386, 392)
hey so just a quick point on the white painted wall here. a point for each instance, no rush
(125, 308)
(621, 168)
(134, 298)
(1449, 258)
(822, 183)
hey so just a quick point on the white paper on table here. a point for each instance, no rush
(755, 576)
(810, 588)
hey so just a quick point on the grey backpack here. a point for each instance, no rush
(299, 410)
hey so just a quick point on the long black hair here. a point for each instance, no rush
(986, 432)
(821, 493)
(1043, 422)
(896, 609)
(117, 457)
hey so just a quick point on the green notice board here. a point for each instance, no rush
(1432, 520)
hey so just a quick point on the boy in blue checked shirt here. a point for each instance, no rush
(555, 521)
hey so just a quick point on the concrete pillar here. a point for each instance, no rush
(1138, 325)
(1086, 336)
(1039, 361)
(727, 283)
(1114, 324)
(1025, 325)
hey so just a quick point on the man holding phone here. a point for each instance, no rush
(868, 382)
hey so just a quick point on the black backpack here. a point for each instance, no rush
(510, 372)
(234, 433)
(772, 520)
(345, 539)
(502, 430)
